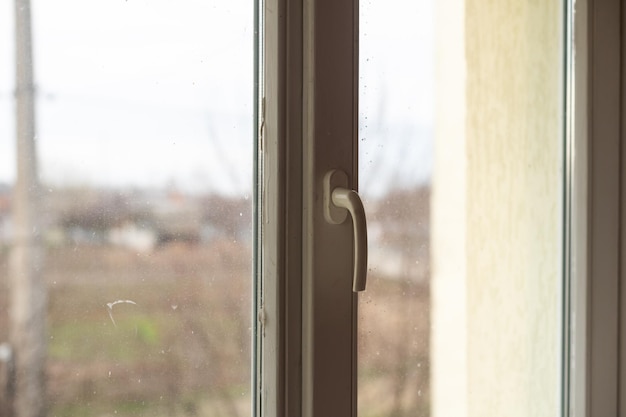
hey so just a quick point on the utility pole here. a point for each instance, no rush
(27, 312)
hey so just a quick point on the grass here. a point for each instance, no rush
(126, 342)
(99, 409)
(183, 348)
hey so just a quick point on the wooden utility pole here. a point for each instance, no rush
(28, 292)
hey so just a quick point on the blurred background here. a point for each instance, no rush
(144, 135)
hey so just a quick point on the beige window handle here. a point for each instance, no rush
(338, 201)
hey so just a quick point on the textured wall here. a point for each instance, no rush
(513, 235)
(512, 248)
(448, 341)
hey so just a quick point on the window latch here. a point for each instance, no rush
(338, 201)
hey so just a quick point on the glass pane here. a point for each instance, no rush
(396, 131)
(144, 137)
(460, 148)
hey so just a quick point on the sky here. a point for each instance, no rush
(155, 93)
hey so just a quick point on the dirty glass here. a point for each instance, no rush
(144, 135)
(396, 134)
(460, 169)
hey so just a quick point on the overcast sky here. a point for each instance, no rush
(159, 92)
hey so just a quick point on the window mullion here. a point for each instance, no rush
(330, 131)
(280, 309)
(307, 309)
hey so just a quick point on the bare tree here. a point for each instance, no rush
(28, 293)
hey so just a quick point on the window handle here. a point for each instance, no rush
(338, 201)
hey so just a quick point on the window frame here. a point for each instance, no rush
(299, 85)
(279, 311)
(597, 325)
(308, 126)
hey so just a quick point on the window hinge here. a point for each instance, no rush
(261, 319)
(262, 126)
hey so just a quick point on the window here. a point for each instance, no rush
(144, 133)
(506, 128)
(494, 267)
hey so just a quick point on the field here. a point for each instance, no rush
(181, 346)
